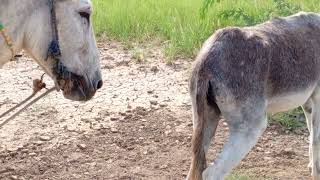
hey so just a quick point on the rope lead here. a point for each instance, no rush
(38, 85)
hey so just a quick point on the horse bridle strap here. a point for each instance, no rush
(54, 51)
(54, 47)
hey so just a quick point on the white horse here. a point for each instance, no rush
(243, 74)
(39, 26)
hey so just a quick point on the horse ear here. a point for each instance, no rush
(86, 9)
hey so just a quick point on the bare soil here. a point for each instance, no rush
(138, 126)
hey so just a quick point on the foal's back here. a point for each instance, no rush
(275, 59)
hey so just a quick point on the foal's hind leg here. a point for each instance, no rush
(211, 123)
(308, 109)
(246, 125)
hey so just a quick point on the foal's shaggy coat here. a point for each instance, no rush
(244, 73)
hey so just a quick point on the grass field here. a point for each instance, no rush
(178, 23)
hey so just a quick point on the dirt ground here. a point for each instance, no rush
(138, 126)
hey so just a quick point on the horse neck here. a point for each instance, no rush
(16, 16)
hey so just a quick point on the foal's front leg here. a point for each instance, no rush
(308, 109)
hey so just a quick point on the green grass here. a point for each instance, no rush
(178, 24)
(239, 176)
(291, 120)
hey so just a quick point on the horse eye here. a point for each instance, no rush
(85, 15)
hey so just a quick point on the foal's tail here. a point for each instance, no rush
(201, 95)
(198, 155)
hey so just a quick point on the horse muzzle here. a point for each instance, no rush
(80, 88)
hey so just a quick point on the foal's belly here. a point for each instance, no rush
(288, 101)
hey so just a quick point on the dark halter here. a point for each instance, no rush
(59, 70)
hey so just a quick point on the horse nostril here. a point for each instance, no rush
(99, 85)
